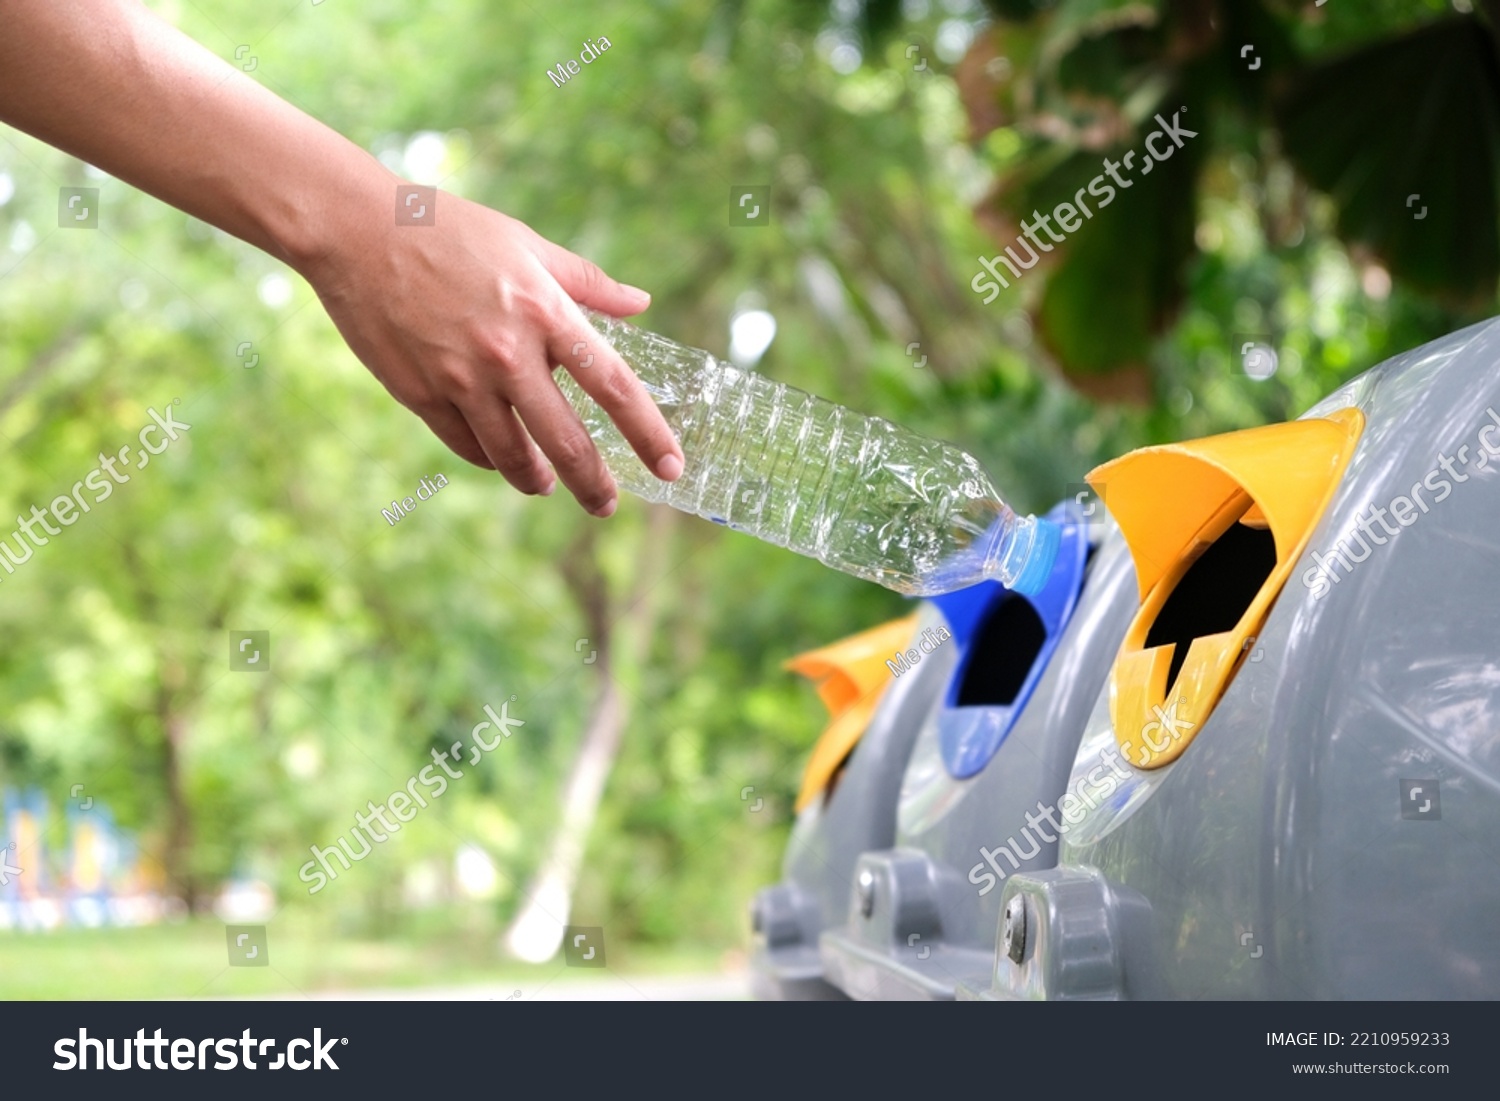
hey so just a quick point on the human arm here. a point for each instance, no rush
(461, 320)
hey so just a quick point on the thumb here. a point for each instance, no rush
(587, 284)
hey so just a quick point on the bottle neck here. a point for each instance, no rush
(1021, 553)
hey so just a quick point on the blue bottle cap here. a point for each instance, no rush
(1046, 537)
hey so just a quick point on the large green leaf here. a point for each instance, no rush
(1417, 115)
(1119, 279)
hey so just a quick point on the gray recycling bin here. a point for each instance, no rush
(1259, 759)
(1319, 817)
(965, 701)
(918, 920)
(851, 806)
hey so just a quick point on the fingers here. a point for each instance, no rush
(505, 411)
(608, 379)
(449, 425)
(585, 282)
(556, 428)
(493, 423)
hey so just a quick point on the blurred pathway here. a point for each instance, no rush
(602, 986)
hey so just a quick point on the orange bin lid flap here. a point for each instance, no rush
(1286, 469)
(851, 675)
(1170, 502)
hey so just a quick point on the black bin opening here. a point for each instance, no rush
(1001, 654)
(1214, 593)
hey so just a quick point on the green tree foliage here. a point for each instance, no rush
(1390, 111)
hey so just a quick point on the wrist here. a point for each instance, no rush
(326, 217)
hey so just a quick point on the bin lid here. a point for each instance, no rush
(851, 676)
(1172, 503)
(969, 736)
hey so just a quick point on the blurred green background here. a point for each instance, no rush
(900, 142)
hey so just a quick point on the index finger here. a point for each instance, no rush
(602, 374)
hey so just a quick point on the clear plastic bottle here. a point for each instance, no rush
(857, 493)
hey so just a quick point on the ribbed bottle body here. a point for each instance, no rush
(858, 493)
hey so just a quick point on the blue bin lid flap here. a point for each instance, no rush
(970, 736)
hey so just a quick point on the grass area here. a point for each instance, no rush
(190, 960)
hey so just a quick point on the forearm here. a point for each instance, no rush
(110, 83)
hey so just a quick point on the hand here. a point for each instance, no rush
(463, 320)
